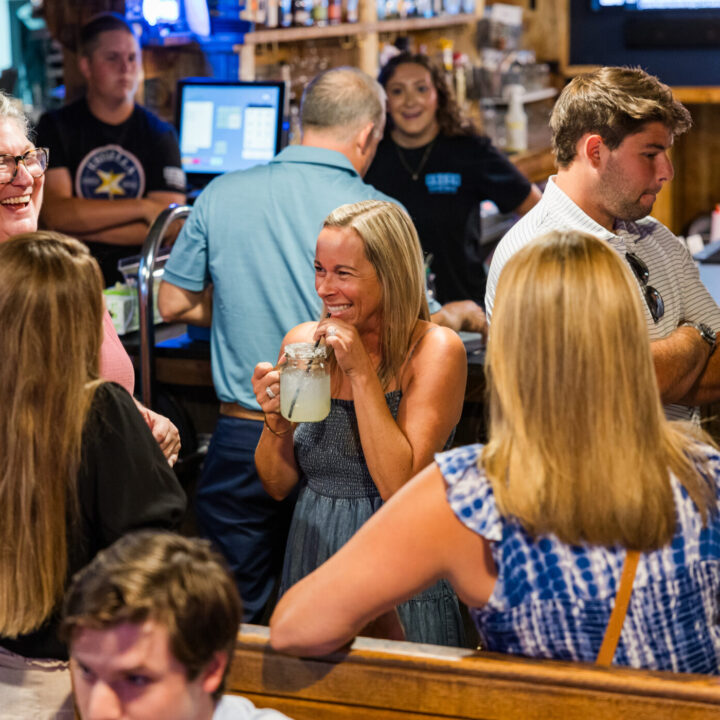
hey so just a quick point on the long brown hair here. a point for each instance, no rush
(50, 334)
(579, 444)
(450, 119)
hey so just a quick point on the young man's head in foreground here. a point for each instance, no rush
(150, 625)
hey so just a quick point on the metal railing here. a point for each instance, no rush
(145, 297)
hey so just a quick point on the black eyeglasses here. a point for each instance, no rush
(652, 297)
(35, 162)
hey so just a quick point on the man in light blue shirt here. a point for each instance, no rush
(243, 264)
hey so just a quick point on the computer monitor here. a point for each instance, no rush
(226, 126)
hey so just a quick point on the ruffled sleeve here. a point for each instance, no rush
(468, 491)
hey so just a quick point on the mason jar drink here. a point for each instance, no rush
(305, 383)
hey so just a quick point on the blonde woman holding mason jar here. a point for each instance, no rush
(583, 490)
(397, 383)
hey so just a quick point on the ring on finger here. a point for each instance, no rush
(332, 330)
(270, 393)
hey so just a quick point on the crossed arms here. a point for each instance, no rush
(116, 222)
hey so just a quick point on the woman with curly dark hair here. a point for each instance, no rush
(434, 161)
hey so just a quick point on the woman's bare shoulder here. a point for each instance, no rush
(431, 340)
(435, 351)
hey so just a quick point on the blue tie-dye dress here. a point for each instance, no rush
(552, 600)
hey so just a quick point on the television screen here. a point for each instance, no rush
(226, 126)
(658, 4)
(676, 40)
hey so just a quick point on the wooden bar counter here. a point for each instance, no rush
(385, 680)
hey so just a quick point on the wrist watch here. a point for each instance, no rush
(706, 332)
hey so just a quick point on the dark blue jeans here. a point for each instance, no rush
(239, 517)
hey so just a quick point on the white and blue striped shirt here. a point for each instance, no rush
(672, 270)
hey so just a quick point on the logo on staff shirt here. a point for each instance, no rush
(110, 172)
(443, 183)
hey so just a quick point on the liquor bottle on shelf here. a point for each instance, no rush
(350, 11)
(301, 12)
(516, 120)
(285, 14)
(272, 19)
(407, 8)
(250, 12)
(451, 7)
(391, 9)
(319, 12)
(335, 12)
(460, 63)
(490, 121)
(261, 12)
(424, 8)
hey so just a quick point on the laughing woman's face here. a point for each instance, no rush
(20, 196)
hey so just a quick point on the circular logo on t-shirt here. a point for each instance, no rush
(110, 172)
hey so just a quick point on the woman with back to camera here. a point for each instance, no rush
(78, 465)
(397, 387)
(435, 163)
(22, 178)
(534, 529)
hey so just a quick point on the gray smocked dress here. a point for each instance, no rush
(337, 495)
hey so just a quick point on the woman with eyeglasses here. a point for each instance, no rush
(78, 466)
(22, 177)
(583, 488)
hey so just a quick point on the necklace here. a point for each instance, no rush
(415, 174)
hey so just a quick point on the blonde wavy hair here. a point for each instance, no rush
(579, 444)
(50, 334)
(392, 246)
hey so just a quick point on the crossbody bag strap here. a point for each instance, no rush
(617, 617)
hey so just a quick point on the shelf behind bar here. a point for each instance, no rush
(530, 96)
(697, 95)
(293, 34)
(421, 23)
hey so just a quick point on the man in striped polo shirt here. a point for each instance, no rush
(612, 130)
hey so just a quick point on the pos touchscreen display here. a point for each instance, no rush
(226, 126)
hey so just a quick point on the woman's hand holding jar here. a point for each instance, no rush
(350, 353)
(266, 386)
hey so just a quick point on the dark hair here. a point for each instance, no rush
(103, 22)
(449, 117)
(178, 582)
(613, 102)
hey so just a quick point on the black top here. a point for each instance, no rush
(124, 484)
(444, 202)
(128, 160)
(125, 161)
